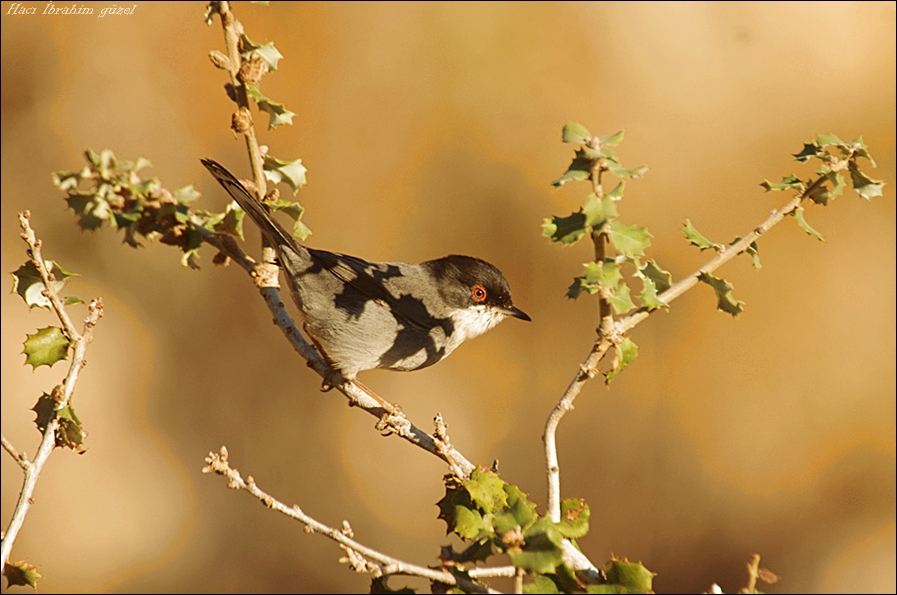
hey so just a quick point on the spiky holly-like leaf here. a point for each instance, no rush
(574, 518)
(46, 347)
(290, 172)
(695, 238)
(575, 133)
(20, 574)
(278, 113)
(27, 282)
(629, 240)
(625, 352)
(725, 301)
(802, 223)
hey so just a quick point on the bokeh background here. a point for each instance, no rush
(430, 129)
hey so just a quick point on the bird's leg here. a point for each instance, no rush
(389, 409)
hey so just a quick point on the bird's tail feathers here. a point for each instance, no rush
(273, 230)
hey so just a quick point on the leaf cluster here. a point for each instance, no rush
(110, 190)
(496, 518)
(598, 217)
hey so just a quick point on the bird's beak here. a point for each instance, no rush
(516, 313)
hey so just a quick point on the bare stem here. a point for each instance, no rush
(232, 31)
(20, 458)
(361, 557)
(80, 341)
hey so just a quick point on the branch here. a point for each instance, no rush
(34, 253)
(360, 557)
(63, 395)
(21, 459)
(265, 275)
(589, 368)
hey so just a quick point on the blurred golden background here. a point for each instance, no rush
(430, 129)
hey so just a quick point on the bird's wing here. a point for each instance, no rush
(369, 279)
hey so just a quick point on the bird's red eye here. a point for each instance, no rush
(478, 293)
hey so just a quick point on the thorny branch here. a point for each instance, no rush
(80, 341)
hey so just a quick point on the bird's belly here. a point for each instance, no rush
(358, 339)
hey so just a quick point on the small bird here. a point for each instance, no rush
(363, 315)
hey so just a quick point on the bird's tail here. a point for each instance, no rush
(273, 230)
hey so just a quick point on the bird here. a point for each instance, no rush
(364, 315)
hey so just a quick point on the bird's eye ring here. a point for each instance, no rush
(478, 293)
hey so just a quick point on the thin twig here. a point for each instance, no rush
(79, 351)
(20, 458)
(34, 252)
(377, 563)
(233, 29)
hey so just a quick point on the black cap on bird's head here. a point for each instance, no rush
(464, 282)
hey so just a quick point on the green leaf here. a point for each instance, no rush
(611, 141)
(631, 576)
(662, 279)
(187, 194)
(380, 586)
(598, 212)
(27, 282)
(574, 518)
(622, 172)
(838, 183)
(802, 223)
(791, 182)
(294, 210)
(648, 296)
(580, 169)
(469, 523)
(864, 185)
(267, 51)
(695, 238)
(752, 250)
(617, 193)
(824, 140)
(541, 552)
(809, 150)
(862, 150)
(290, 172)
(20, 574)
(724, 298)
(45, 408)
(277, 112)
(567, 230)
(486, 490)
(478, 551)
(232, 222)
(625, 353)
(606, 274)
(455, 495)
(820, 194)
(629, 240)
(575, 133)
(70, 433)
(46, 347)
(520, 512)
(619, 299)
